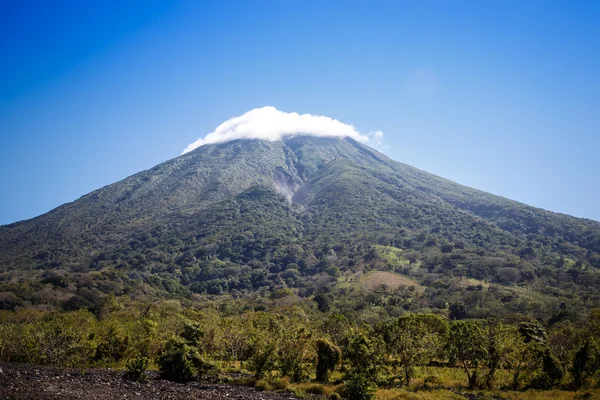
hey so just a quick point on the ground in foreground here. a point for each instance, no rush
(21, 381)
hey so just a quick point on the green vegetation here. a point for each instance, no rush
(328, 219)
(306, 259)
(298, 348)
(328, 357)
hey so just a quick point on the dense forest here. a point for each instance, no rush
(325, 218)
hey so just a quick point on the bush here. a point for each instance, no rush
(431, 381)
(192, 333)
(359, 387)
(112, 347)
(262, 385)
(281, 384)
(328, 357)
(262, 360)
(136, 369)
(181, 362)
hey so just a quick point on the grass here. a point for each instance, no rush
(442, 394)
(401, 394)
(375, 279)
(467, 282)
(443, 383)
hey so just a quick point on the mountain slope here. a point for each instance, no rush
(303, 213)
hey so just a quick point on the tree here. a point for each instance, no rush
(458, 311)
(291, 351)
(586, 363)
(365, 353)
(533, 358)
(234, 336)
(328, 357)
(413, 342)
(467, 346)
(263, 352)
(564, 341)
(501, 344)
(192, 333)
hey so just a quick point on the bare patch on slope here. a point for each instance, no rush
(375, 279)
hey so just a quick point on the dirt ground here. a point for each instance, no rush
(21, 381)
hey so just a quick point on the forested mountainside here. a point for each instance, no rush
(330, 219)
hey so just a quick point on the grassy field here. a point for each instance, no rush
(445, 384)
(375, 279)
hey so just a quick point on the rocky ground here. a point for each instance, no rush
(21, 381)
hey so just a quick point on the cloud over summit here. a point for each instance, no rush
(268, 123)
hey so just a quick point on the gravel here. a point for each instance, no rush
(22, 381)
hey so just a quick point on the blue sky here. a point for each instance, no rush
(503, 96)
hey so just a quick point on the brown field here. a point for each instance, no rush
(375, 279)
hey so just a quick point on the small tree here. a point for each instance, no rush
(359, 387)
(467, 346)
(291, 351)
(181, 362)
(235, 338)
(328, 357)
(192, 333)
(586, 363)
(502, 343)
(365, 353)
(263, 358)
(412, 342)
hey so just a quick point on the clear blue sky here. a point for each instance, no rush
(503, 96)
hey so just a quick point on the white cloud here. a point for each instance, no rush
(269, 123)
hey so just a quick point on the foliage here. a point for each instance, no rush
(467, 346)
(303, 217)
(180, 362)
(291, 352)
(359, 387)
(586, 363)
(264, 357)
(188, 340)
(328, 357)
(365, 353)
(413, 342)
(136, 369)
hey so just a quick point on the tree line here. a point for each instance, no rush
(299, 346)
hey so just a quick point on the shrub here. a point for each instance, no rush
(281, 384)
(181, 362)
(112, 347)
(136, 369)
(359, 387)
(262, 385)
(262, 360)
(291, 352)
(586, 363)
(328, 357)
(431, 381)
(192, 333)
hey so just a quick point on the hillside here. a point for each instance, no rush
(306, 214)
